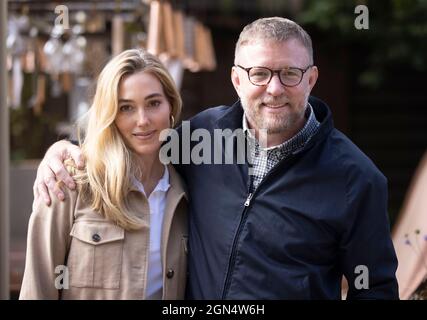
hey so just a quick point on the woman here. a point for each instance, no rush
(122, 234)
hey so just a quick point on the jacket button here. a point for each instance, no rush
(170, 273)
(96, 237)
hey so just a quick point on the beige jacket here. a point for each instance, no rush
(103, 260)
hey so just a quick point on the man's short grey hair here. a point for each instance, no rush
(276, 29)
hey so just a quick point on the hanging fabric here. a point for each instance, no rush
(171, 35)
(189, 30)
(210, 51)
(204, 52)
(117, 34)
(178, 21)
(199, 50)
(168, 30)
(155, 41)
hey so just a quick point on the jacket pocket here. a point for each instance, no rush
(95, 257)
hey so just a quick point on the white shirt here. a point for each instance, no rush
(157, 203)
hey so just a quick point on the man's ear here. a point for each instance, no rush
(235, 80)
(314, 74)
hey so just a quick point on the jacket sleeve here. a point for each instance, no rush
(47, 246)
(368, 258)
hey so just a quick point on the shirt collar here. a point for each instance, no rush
(162, 186)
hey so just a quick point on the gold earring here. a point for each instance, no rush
(173, 121)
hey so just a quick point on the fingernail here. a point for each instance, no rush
(61, 196)
(71, 185)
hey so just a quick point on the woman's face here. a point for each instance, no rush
(143, 112)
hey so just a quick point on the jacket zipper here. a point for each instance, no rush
(241, 224)
(233, 250)
(248, 200)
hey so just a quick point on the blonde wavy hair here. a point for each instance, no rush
(110, 165)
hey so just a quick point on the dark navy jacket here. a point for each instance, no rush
(315, 217)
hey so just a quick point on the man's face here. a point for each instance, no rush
(274, 107)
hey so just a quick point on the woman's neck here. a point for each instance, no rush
(152, 171)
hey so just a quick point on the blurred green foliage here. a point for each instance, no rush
(29, 133)
(397, 34)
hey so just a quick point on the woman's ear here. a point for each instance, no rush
(172, 120)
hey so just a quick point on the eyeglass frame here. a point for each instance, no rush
(273, 72)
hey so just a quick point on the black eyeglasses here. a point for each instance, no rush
(289, 77)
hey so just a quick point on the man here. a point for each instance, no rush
(311, 209)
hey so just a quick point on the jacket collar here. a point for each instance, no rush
(176, 182)
(173, 197)
(324, 116)
(232, 118)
